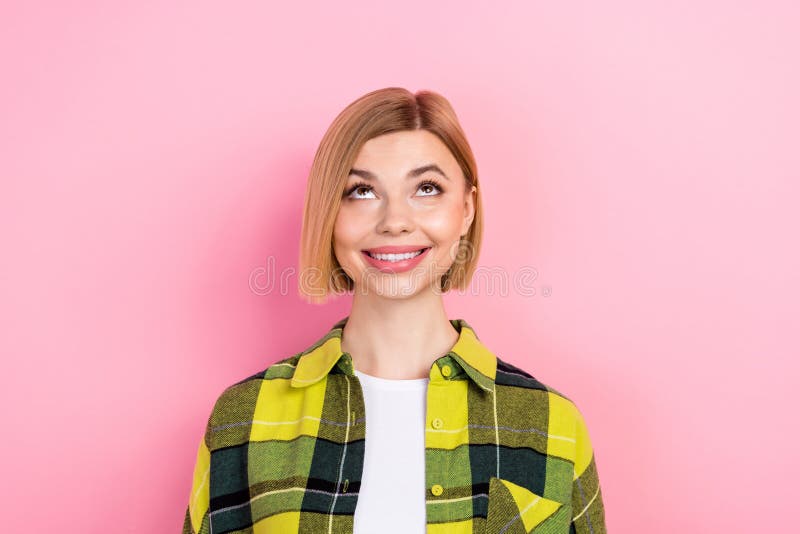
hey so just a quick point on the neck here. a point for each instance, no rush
(397, 338)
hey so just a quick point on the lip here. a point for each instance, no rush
(395, 266)
(395, 249)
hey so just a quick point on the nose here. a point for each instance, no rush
(397, 217)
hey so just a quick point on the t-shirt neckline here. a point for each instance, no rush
(392, 383)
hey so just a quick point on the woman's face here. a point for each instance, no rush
(407, 191)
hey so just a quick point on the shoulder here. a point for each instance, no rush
(566, 428)
(561, 409)
(236, 392)
(541, 405)
(232, 414)
(509, 375)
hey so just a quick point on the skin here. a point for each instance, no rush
(398, 326)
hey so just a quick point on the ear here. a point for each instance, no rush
(469, 209)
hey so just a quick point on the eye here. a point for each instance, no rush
(430, 187)
(359, 187)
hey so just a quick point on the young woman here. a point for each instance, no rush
(398, 419)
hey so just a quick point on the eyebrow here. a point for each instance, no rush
(413, 173)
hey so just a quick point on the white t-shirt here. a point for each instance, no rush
(392, 495)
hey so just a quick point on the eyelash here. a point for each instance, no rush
(357, 185)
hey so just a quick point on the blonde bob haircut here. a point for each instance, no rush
(377, 113)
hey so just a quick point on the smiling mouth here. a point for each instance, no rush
(395, 257)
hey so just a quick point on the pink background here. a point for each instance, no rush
(643, 159)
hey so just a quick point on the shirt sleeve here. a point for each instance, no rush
(196, 517)
(588, 513)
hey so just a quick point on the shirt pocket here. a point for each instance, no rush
(513, 509)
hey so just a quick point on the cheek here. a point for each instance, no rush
(445, 223)
(347, 229)
(343, 227)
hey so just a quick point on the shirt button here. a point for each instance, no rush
(446, 370)
(436, 423)
(437, 490)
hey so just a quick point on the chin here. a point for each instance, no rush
(397, 291)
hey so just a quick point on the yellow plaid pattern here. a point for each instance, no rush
(283, 450)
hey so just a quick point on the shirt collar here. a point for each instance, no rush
(478, 362)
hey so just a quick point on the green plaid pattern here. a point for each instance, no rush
(283, 450)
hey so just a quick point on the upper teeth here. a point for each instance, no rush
(396, 257)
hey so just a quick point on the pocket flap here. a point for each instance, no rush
(515, 509)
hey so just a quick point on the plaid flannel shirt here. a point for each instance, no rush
(283, 450)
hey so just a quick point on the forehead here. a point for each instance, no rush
(404, 149)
